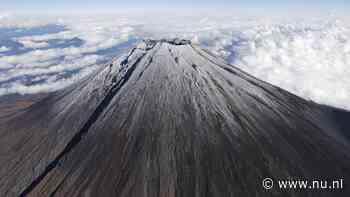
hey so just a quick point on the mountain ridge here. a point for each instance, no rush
(170, 119)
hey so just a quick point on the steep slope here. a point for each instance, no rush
(170, 119)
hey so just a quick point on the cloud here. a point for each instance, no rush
(32, 44)
(43, 67)
(49, 86)
(309, 57)
(312, 62)
(50, 68)
(4, 49)
(4, 15)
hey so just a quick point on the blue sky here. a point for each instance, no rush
(63, 5)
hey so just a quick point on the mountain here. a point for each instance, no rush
(170, 119)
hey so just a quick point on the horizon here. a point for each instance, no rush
(109, 6)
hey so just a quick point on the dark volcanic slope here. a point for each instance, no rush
(171, 120)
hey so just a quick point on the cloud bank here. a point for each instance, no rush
(4, 49)
(309, 57)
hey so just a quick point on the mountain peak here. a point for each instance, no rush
(169, 119)
(147, 44)
(173, 41)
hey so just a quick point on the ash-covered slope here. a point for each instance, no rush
(170, 119)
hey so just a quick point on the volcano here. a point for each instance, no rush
(170, 119)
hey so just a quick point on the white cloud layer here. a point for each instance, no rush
(28, 43)
(311, 62)
(310, 58)
(4, 49)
